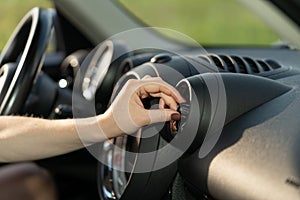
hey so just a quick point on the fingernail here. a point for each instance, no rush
(175, 116)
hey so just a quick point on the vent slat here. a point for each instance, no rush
(243, 67)
(253, 65)
(273, 64)
(206, 58)
(229, 63)
(238, 64)
(264, 65)
(218, 61)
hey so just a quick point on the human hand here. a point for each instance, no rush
(127, 110)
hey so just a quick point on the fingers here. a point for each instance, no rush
(157, 85)
(162, 115)
(138, 101)
(168, 95)
(161, 104)
(166, 100)
(127, 109)
(147, 77)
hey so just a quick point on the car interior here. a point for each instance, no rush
(238, 137)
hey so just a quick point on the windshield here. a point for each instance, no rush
(210, 22)
(11, 13)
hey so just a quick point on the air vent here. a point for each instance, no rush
(239, 64)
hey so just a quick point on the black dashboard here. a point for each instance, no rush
(255, 155)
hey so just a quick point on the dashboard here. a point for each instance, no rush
(258, 92)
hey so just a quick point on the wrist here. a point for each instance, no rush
(108, 125)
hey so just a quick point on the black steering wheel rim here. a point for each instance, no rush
(21, 59)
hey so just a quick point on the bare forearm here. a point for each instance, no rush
(24, 138)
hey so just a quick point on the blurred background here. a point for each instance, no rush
(12, 11)
(212, 22)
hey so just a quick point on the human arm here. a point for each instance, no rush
(25, 138)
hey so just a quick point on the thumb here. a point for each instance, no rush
(162, 115)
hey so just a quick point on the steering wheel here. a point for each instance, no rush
(22, 57)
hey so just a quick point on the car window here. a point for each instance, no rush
(210, 22)
(12, 11)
